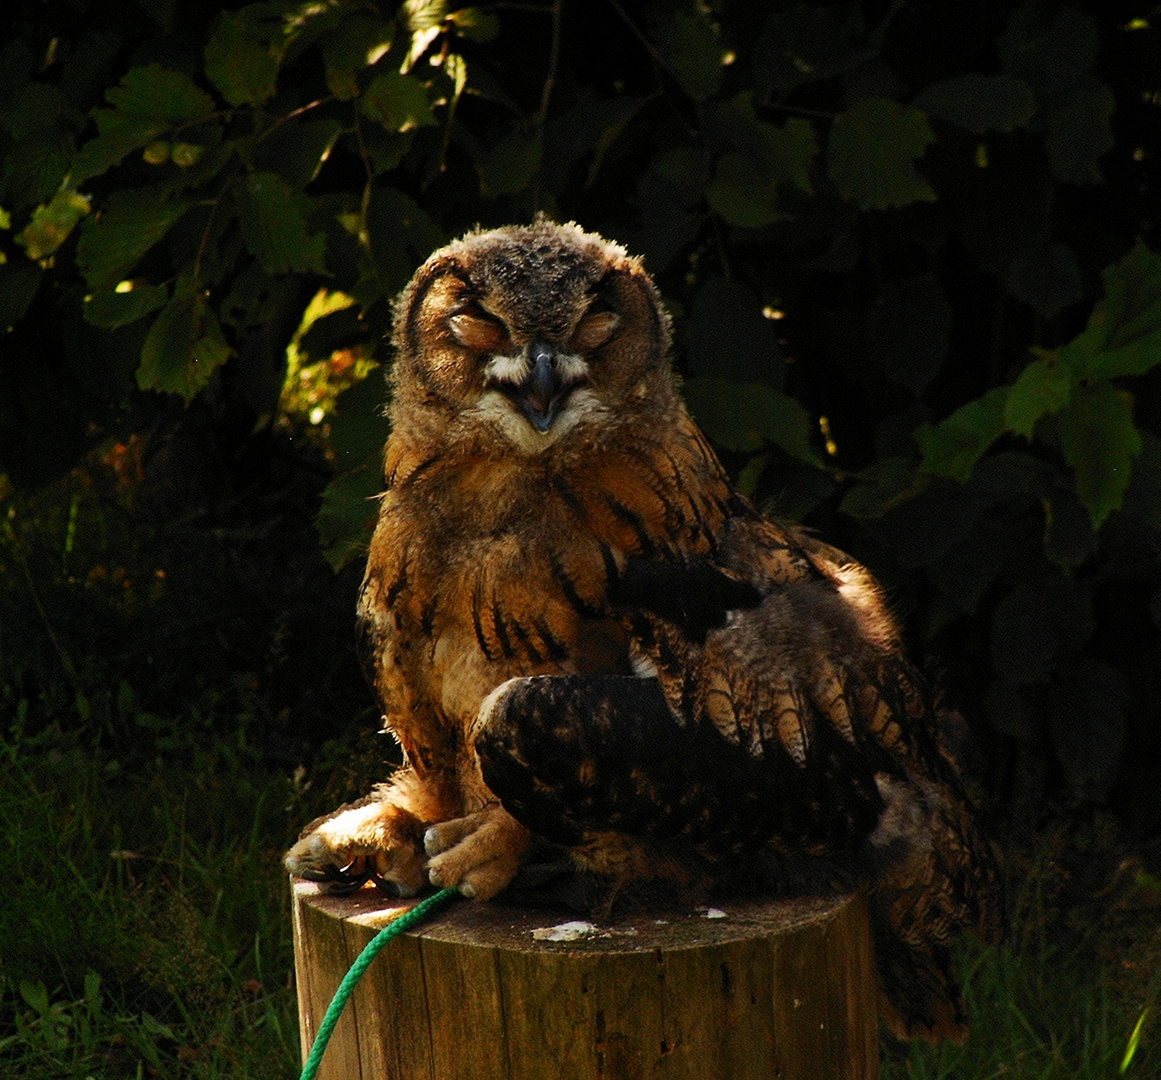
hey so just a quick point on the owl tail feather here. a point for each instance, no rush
(919, 993)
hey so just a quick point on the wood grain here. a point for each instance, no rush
(775, 989)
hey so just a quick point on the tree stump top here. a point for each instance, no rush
(780, 988)
(519, 929)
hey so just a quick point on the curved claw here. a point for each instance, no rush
(339, 881)
(392, 888)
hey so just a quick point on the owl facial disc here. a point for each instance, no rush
(549, 377)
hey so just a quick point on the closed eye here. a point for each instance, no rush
(475, 329)
(596, 328)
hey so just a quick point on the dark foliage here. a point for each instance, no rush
(907, 247)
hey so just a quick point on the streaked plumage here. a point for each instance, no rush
(579, 630)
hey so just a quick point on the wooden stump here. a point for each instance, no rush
(761, 990)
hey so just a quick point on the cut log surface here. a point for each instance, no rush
(782, 989)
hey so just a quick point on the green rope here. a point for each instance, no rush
(363, 961)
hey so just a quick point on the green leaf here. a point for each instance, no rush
(1100, 441)
(744, 416)
(952, 447)
(872, 151)
(274, 227)
(1143, 497)
(239, 61)
(111, 309)
(348, 513)
(401, 236)
(350, 507)
(475, 24)
(686, 42)
(398, 102)
(358, 41)
(784, 153)
(1079, 132)
(149, 102)
(160, 94)
(979, 102)
(50, 225)
(1124, 333)
(741, 194)
(184, 346)
(1044, 387)
(297, 149)
(130, 223)
(883, 485)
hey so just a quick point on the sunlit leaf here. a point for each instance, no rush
(150, 101)
(357, 41)
(1044, 387)
(398, 102)
(872, 152)
(1099, 440)
(274, 226)
(184, 346)
(476, 24)
(953, 446)
(51, 224)
(111, 309)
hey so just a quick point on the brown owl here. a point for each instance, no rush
(583, 636)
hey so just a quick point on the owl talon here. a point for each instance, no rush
(376, 840)
(478, 854)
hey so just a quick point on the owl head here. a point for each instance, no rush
(531, 333)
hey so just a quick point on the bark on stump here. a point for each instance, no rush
(780, 989)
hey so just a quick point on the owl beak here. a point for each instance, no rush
(544, 391)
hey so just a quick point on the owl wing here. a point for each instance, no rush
(784, 740)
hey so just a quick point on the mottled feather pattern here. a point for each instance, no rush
(583, 636)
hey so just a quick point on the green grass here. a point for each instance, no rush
(144, 931)
(145, 923)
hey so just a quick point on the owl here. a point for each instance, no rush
(586, 640)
